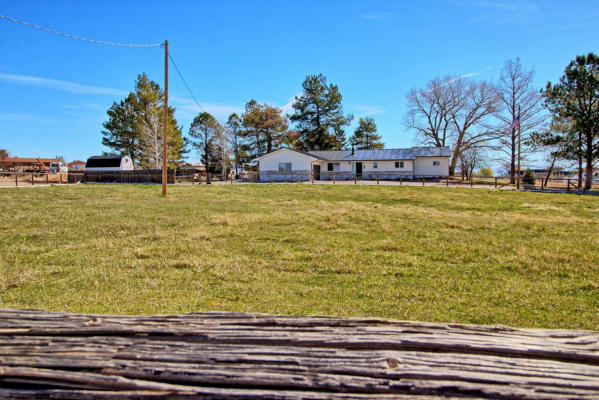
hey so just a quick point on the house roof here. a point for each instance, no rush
(104, 161)
(373, 155)
(10, 160)
(309, 154)
(381, 154)
(76, 162)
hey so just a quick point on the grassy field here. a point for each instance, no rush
(433, 254)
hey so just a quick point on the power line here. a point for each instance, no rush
(184, 82)
(79, 37)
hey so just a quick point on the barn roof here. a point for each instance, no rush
(104, 161)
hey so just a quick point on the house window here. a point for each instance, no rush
(398, 164)
(375, 165)
(436, 163)
(333, 167)
(285, 167)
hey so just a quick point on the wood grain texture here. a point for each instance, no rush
(250, 356)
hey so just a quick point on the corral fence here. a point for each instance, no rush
(401, 178)
(32, 178)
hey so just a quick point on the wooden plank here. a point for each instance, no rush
(233, 355)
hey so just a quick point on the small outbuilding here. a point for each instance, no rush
(76, 165)
(114, 162)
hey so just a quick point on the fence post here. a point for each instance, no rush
(400, 180)
(32, 178)
(270, 175)
(16, 178)
(377, 178)
(60, 175)
(568, 185)
(312, 176)
(47, 179)
(471, 184)
(447, 180)
(355, 178)
(423, 181)
(292, 177)
(333, 178)
(495, 182)
(232, 178)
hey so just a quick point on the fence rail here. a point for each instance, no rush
(12, 178)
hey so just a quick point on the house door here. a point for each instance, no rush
(316, 172)
(359, 169)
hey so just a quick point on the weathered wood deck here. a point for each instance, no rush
(242, 356)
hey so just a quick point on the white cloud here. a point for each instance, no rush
(287, 107)
(57, 84)
(366, 110)
(26, 118)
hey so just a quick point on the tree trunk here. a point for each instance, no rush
(580, 147)
(589, 160)
(550, 170)
(513, 159)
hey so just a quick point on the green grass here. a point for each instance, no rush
(433, 254)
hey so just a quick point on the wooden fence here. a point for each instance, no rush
(136, 176)
(250, 356)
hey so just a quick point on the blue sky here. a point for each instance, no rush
(54, 92)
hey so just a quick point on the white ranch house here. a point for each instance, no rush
(416, 162)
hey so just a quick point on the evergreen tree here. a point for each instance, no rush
(120, 130)
(135, 127)
(318, 115)
(204, 133)
(149, 108)
(264, 126)
(365, 136)
(238, 147)
(576, 98)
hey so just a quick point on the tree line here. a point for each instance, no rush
(473, 117)
(470, 116)
(134, 128)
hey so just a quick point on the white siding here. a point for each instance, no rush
(269, 164)
(299, 161)
(423, 166)
(387, 166)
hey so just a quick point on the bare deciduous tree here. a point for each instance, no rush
(453, 112)
(150, 137)
(515, 88)
(430, 110)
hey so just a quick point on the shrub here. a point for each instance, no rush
(485, 173)
(529, 177)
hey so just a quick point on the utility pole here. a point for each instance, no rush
(519, 131)
(165, 137)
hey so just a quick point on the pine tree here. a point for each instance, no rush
(318, 115)
(120, 130)
(576, 99)
(264, 127)
(135, 127)
(205, 138)
(365, 136)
